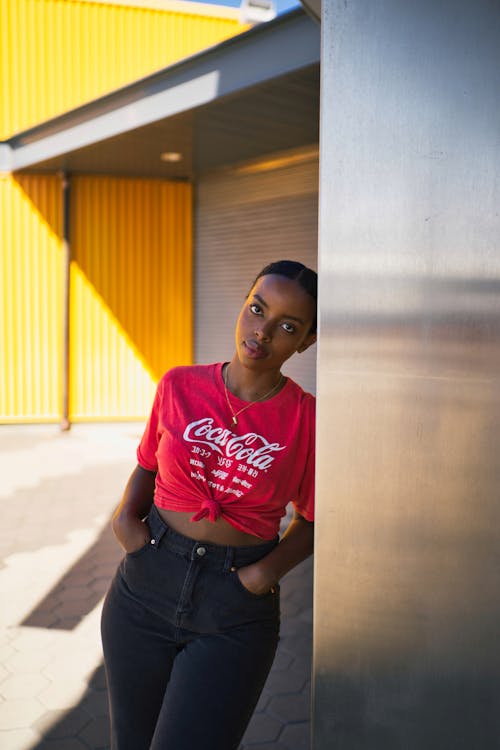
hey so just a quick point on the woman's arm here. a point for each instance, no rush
(137, 499)
(296, 545)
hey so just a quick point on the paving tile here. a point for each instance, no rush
(73, 608)
(306, 615)
(59, 724)
(264, 746)
(262, 728)
(18, 739)
(64, 744)
(96, 733)
(95, 703)
(263, 701)
(61, 695)
(290, 609)
(302, 663)
(48, 604)
(288, 681)
(296, 646)
(105, 570)
(97, 680)
(23, 686)
(282, 660)
(42, 619)
(47, 720)
(32, 639)
(107, 557)
(19, 603)
(295, 626)
(5, 651)
(31, 661)
(301, 595)
(74, 593)
(20, 713)
(291, 708)
(6, 636)
(296, 736)
(100, 586)
(66, 623)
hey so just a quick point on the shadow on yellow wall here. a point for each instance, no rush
(30, 299)
(130, 288)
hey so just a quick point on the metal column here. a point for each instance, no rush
(407, 562)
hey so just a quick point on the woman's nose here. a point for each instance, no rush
(264, 332)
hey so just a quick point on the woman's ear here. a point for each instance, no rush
(308, 341)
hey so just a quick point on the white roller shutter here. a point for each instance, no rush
(243, 222)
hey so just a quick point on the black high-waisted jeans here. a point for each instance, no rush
(187, 648)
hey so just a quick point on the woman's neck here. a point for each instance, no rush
(249, 385)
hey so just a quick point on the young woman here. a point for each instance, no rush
(191, 622)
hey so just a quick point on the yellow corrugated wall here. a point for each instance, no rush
(131, 292)
(31, 301)
(58, 54)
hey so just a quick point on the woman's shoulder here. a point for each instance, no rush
(297, 400)
(296, 392)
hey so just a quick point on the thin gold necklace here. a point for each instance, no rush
(235, 414)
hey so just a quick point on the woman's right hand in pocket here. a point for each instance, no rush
(131, 532)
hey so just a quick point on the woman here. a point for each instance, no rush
(191, 622)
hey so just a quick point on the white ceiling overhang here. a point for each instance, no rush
(255, 93)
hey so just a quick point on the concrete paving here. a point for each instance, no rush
(57, 555)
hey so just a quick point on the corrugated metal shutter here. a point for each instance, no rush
(244, 222)
(31, 300)
(131, 292)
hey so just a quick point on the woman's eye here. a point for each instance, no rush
(255, 308)
(288, 327)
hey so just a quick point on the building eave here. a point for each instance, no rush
(288, 43)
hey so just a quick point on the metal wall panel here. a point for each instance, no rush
(31, 299)
(243, 222)
(407, 588)
(56, 55)
(131, 292)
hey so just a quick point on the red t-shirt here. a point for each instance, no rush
(245, 473)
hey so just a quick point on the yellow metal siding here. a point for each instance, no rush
(31, 302)
(131, 292)
(58, 54)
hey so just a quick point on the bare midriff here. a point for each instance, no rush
(214, 532)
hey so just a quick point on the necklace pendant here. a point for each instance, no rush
(235, 421)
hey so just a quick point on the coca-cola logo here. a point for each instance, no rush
(251, 448)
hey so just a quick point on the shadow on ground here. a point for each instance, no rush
(80, 589)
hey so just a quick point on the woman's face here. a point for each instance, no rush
(274, 322)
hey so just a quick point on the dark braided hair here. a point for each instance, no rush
(292, 269)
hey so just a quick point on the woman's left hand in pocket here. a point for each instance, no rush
(255, 579)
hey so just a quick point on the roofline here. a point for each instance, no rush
(186, 7)
(289, 42)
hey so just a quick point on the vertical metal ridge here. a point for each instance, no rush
(130, 322)
(30, 347)
(273, 214)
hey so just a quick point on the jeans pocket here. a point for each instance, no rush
(139, 551)
(237, 580)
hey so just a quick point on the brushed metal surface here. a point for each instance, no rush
(407, 587)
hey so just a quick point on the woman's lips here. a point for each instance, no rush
(253, 349)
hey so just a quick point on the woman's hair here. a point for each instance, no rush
(292, 269)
